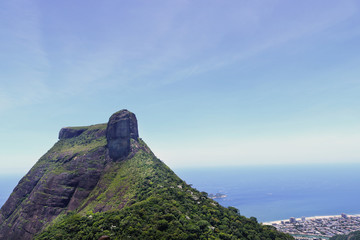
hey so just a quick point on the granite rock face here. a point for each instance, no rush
(70, 132)
(64, 179)
(59, 182)
(122, 127)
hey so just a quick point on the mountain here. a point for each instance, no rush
(351, 236)
(104, 182)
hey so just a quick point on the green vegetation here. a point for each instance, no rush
(156, 218)
(141, 198)
(87, 141)
(136, 198)
(350, 236)
(66, 149)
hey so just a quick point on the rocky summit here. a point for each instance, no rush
(121, 128)
(103, 182)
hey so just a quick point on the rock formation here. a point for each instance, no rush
(65, 176)
(122, 127)
(70, 132)
(103, 181)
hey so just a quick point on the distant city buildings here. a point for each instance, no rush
(318, 227)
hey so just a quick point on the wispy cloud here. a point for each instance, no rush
(260, 28)
(295, 149)
(24, 60)
(161, 43)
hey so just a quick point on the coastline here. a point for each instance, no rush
(310, 218)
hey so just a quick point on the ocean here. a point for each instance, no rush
(269, 192)
(7, 185)
(279, 192)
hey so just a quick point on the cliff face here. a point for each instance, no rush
(121, 128)
(65, 176)
(104, 180)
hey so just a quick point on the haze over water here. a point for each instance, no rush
(269, 192)
(7, 185)
(280, 192)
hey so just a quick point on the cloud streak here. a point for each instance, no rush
(310, 148)
(164, 43)
(25, 62)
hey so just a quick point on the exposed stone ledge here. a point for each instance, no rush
(70, 132)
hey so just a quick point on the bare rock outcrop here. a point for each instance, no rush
(122, 127)
(63, 179)
(70, 132)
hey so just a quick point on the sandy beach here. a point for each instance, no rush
(310, 218)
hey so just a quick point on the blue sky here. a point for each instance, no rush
(211, 82)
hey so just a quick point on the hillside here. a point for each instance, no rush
(104, 180)
(350, 236)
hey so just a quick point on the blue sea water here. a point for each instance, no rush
(7, 184)
(269, 193)
(280, 192)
